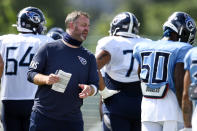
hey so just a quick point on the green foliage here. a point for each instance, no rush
(150, 13)
(7, 17)
(154, 18)
(54, 12)
(102, 25)
(154, 13)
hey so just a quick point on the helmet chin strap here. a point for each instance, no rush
(180, 32)
(40, 29)
(114, 33)
(190, 38)
(179, 39)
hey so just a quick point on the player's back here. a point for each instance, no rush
(122, 66)
(17, 52)
(158, 59)
(121, 74)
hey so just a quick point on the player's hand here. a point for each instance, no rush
(87, 90)
(108, 93)
(186, 129)
(51, 79)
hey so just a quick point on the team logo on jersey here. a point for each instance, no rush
(82, 60)
(33, 64)
(34, 17)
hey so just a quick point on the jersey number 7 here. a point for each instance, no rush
(131, 62)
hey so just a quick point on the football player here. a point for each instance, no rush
(122, 94)
(190, 87)
(17, 94)
(162, 72)
(56, 33)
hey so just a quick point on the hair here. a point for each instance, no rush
(71, 17)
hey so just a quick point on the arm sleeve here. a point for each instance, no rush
(37, 64)
(187, 61)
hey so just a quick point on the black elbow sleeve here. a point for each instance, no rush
(30, 76)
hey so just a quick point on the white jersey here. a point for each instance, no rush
(122, 66)
(17, 52)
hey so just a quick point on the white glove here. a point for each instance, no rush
(107, 93)
(186, 129)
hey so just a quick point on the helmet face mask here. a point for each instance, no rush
(31, 20)
(183, 25)
(124, 24)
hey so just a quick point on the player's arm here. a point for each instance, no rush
(100, 108)
(178, 80)
(102, 58)
(186, 103)
(138, 71)
(1, 66)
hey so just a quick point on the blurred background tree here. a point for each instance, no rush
(151, 13)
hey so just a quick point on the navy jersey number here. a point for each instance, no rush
(131, 62)
(15, 62)
(162, 69)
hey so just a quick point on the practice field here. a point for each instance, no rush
(90, 110)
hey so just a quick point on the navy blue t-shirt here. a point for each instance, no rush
(80, 62)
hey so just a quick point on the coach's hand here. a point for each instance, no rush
(87, 90)
(51, 79)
